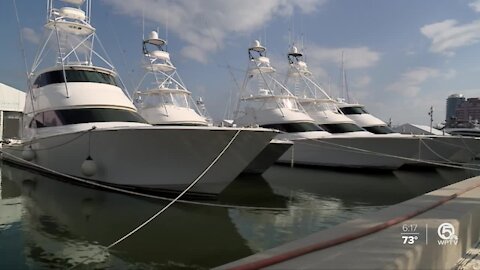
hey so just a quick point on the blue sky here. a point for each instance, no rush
(401, 57)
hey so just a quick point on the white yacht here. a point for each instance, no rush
(161, 96)
(266, 102)
(79, 121)
(437, 148)
(163, 99)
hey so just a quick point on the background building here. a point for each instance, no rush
(453, 101)
(468, 110)
(12, 102)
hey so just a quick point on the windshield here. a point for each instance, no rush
(87, 115)
(353, 110)
(294, 127)
(57, 76)
(379, 129)
(168, 98)
(341, 128)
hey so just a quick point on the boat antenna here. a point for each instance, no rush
(166, 28)
(24, 55)
(430, 113)
(122, 51)
(344, 93)
(265, 35)
(143, 22)
(347, 93)
(22, 44)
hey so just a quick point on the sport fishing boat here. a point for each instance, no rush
(79, 121)
(266, 102)
(161, 96)
(163, 99)
(348, 119)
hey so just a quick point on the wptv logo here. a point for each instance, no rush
(447, 235)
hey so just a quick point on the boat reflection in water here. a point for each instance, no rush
(57, 224)
(318, 199)
(65, 224)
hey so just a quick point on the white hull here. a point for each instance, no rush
(268, 156)
(465, 148)
(341, 152)
(164, 158)
(382, 151)
(472, 132)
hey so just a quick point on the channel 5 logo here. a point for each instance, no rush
(447, 235)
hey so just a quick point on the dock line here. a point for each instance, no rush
(143, 224)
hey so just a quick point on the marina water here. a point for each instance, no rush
(49, 223)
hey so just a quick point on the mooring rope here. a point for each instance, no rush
(434, 152)
(81, 133)
(143, 224)
(316, 143)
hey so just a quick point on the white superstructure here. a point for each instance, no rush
(161, 97)
(316, 101)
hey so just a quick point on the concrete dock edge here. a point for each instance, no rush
(427, 246)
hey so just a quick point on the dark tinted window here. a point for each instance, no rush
(78, 116)
(379, 129)
(294, 127)
(353, 110)
(56, 76)
(341, 128)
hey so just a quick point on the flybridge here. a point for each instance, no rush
(69, 38)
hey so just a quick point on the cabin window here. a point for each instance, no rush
(294, 127)
(379, 129)
(56, 76)
(87, 115)
(353, 110)
(341, 128)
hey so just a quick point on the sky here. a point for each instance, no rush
(401, 57)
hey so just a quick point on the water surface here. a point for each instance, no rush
(46, 223)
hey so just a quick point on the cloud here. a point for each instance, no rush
(359, 57)
(448, 35)
(409, 82)
(475, 5)
(450, 74)
(362, 82)
(30, 35)
(203, 24)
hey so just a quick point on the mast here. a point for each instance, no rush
(344, 82)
